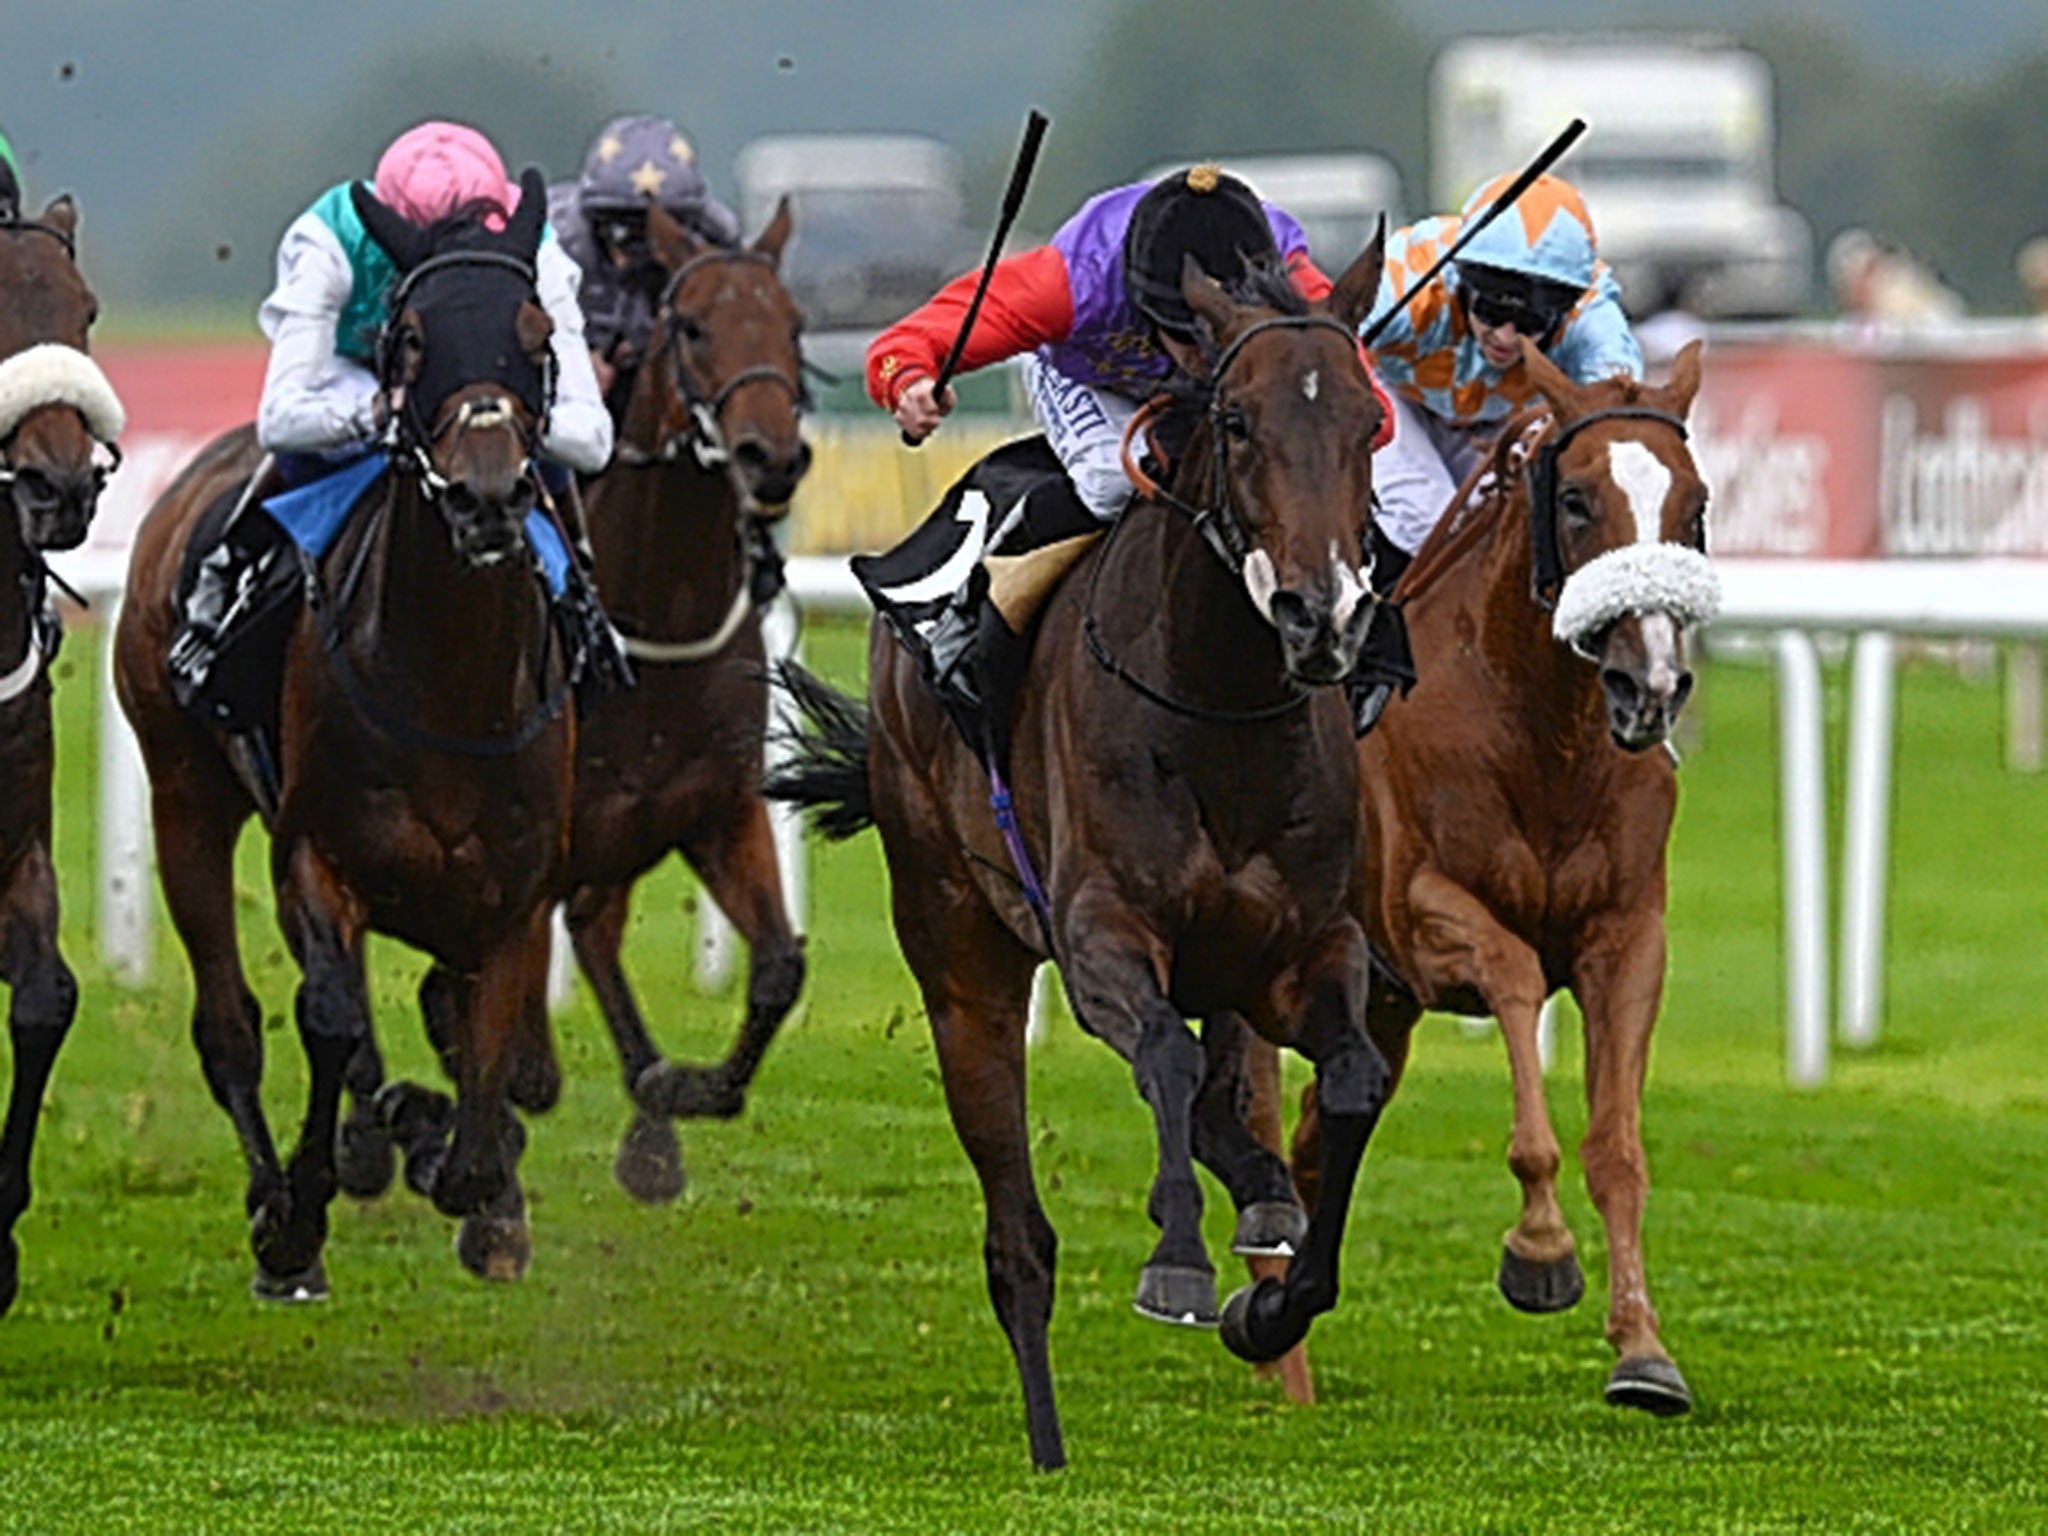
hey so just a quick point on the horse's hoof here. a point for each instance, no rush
(1177, 1293)
(688, 1093)
(308, 1284)
(1651, 1383)
(1269, 1229)
(364, 1162)
(495, 1247)
(649, 1166)
(1236, 1325)
(1537, 1285)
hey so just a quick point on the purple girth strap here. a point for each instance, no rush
(1020, 856)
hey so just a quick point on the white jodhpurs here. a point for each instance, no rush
(1418, 472)
(1085, 427)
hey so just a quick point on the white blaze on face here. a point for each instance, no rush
(1261, 581)
(1660, 654)
(1645, 480)
(1311, 384)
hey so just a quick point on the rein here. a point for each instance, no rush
(703, 437)
(1219, 525)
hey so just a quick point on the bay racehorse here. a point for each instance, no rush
(424, 755)
(1518, 803)
(1189, 786)
(710, 451)
(56, 407)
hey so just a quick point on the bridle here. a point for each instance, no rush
(703, 434)
(410, 440)
(1546, 569)
(702, 438)
(1219, 524)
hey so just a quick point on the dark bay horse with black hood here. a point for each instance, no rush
(424, 747)
(56, 407)
(1188, 784)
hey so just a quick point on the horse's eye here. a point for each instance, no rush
(1237, 424)
(1576, 508)
(689, 329)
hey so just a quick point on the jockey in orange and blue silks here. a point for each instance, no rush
(1451, 357)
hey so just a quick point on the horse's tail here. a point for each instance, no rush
(826, 768)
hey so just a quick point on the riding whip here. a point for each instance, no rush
(1494, 210)
(1013, 199)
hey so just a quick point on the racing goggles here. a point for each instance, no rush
(1532, 307)
(625, 234)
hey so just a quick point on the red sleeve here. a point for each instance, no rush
(1029, 303)
(1310, 283)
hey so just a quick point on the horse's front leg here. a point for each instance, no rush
(45, 999)
(1461, 944)
(479, 1178)
(1619, 983)
(735, 855)
(1116, 974)
(1353, 1081)
(323, 924)
(1270, 1219)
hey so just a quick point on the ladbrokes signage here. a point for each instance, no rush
(1822, 446)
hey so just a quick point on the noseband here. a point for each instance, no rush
(704, 437)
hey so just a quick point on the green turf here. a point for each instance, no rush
(1851, 1279)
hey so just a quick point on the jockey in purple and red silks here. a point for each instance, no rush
(1099, 310)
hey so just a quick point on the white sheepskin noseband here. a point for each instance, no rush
(54, 374)
(1636, 578)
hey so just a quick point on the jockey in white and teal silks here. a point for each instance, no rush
(322, 318)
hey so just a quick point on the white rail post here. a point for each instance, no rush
(1866, 837)
(1803, 816)
(2023, 711)
(124, 914)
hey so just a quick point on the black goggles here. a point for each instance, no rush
(1533, 314)
(627, 236)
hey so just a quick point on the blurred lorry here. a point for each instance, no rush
(880, 221)
(1336, 198)
(1676, 167)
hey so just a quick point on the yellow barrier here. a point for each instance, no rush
(866, 490)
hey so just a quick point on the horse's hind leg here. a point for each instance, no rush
(649, 1165)
(1116, 980)
(45, 999)
(1619, 982)
(363, 1158)
(323, 924)
(196, 823)
(736, 859)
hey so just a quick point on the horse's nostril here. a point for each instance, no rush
(1681, 692)
(752, 454)
(803, 461)
(1621, 688)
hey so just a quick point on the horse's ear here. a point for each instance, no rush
(1352, 299)
(673, 244)
(771, 240)
(1205, 296)
(1564, 396)
(1684, 382)
(61, 213)
(522, 230)
(403, 241)
(534, 326)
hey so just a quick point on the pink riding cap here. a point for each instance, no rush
(434, 169)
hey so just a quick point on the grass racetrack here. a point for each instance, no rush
(1852, 1279)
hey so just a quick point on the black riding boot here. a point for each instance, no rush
(975, 662)
(1386, 663)
(227, 589)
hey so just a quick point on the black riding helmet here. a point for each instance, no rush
(1205, 213)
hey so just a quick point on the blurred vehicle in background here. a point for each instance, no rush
(1676, 169)
(880, 221)
(1336, 198)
